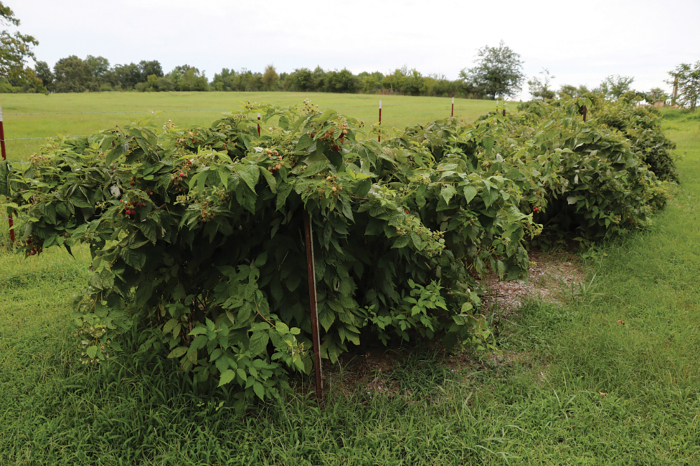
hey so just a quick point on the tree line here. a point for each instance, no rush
(496, 74)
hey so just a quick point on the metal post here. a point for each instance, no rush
(379, 138)
(585, 111)
(675, 91)
(315, 335)
(258, 125)
(504, 111)
(4, 157)
(452, 114)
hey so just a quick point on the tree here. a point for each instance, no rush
(497, 74)
(687, 79)
(541, 89)
(43, 72)
(270, 78)
(573, 91)
(148, 68)
(98, 65)
(655, 95)
(15, 50)
(614, 86)
(72, 74)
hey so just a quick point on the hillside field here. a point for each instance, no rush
(40, 116)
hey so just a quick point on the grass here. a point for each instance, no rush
(40, 116)
(573, 384)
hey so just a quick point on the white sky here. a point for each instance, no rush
(579, 42)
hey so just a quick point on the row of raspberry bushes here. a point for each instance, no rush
(197, 242)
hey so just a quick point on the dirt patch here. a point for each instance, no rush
(549, 277)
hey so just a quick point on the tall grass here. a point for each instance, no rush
(610, 376)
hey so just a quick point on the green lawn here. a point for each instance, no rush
(573, 385)
(38, 115)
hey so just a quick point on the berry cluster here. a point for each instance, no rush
(276, 167)
(33, 246)
(130, 207)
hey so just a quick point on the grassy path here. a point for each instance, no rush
(577, 386)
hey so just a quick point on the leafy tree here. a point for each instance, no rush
(542, 90)
(688, 82)
(301, 79)
(224, 81)
(319, 77)
(43, 72)
(614, 86)
(15, 50)
(270, 78)
(125, 76)
(99, 66)
(573, 91)
(72, 74)
(188, 78)
(148, 68)
(340, 81)
(497, 74)
(655, 95)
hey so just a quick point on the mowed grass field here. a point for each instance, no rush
(608, 375)
(39, 116)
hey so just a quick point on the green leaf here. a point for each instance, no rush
(261, 259)
(258, 342)
(250, 174)
(170, 325)
(134, 258)
(469, 193)
(401, 242)
(177, 352)
(259, 390)
(91, 351)
(447, 192)
(270, 178)
(226, 377)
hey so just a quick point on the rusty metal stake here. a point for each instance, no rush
(4, 157)
(379, 137)
(316, 337)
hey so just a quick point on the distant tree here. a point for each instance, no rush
(541, 89)
(15, 50)
(413, 83)
(147, 68)
(224, 81)
(497, 74)
(319, 78)
(188, 78)
(342, 81)
(270, 78)
(301, 80)
(72, 74)
(43, 72)
(655, 95)
(125, 76)
(573, 91)
(370, 82)
(614, 86)
(99, 66)
(687, 78)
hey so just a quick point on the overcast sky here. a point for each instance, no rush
(579, 42)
